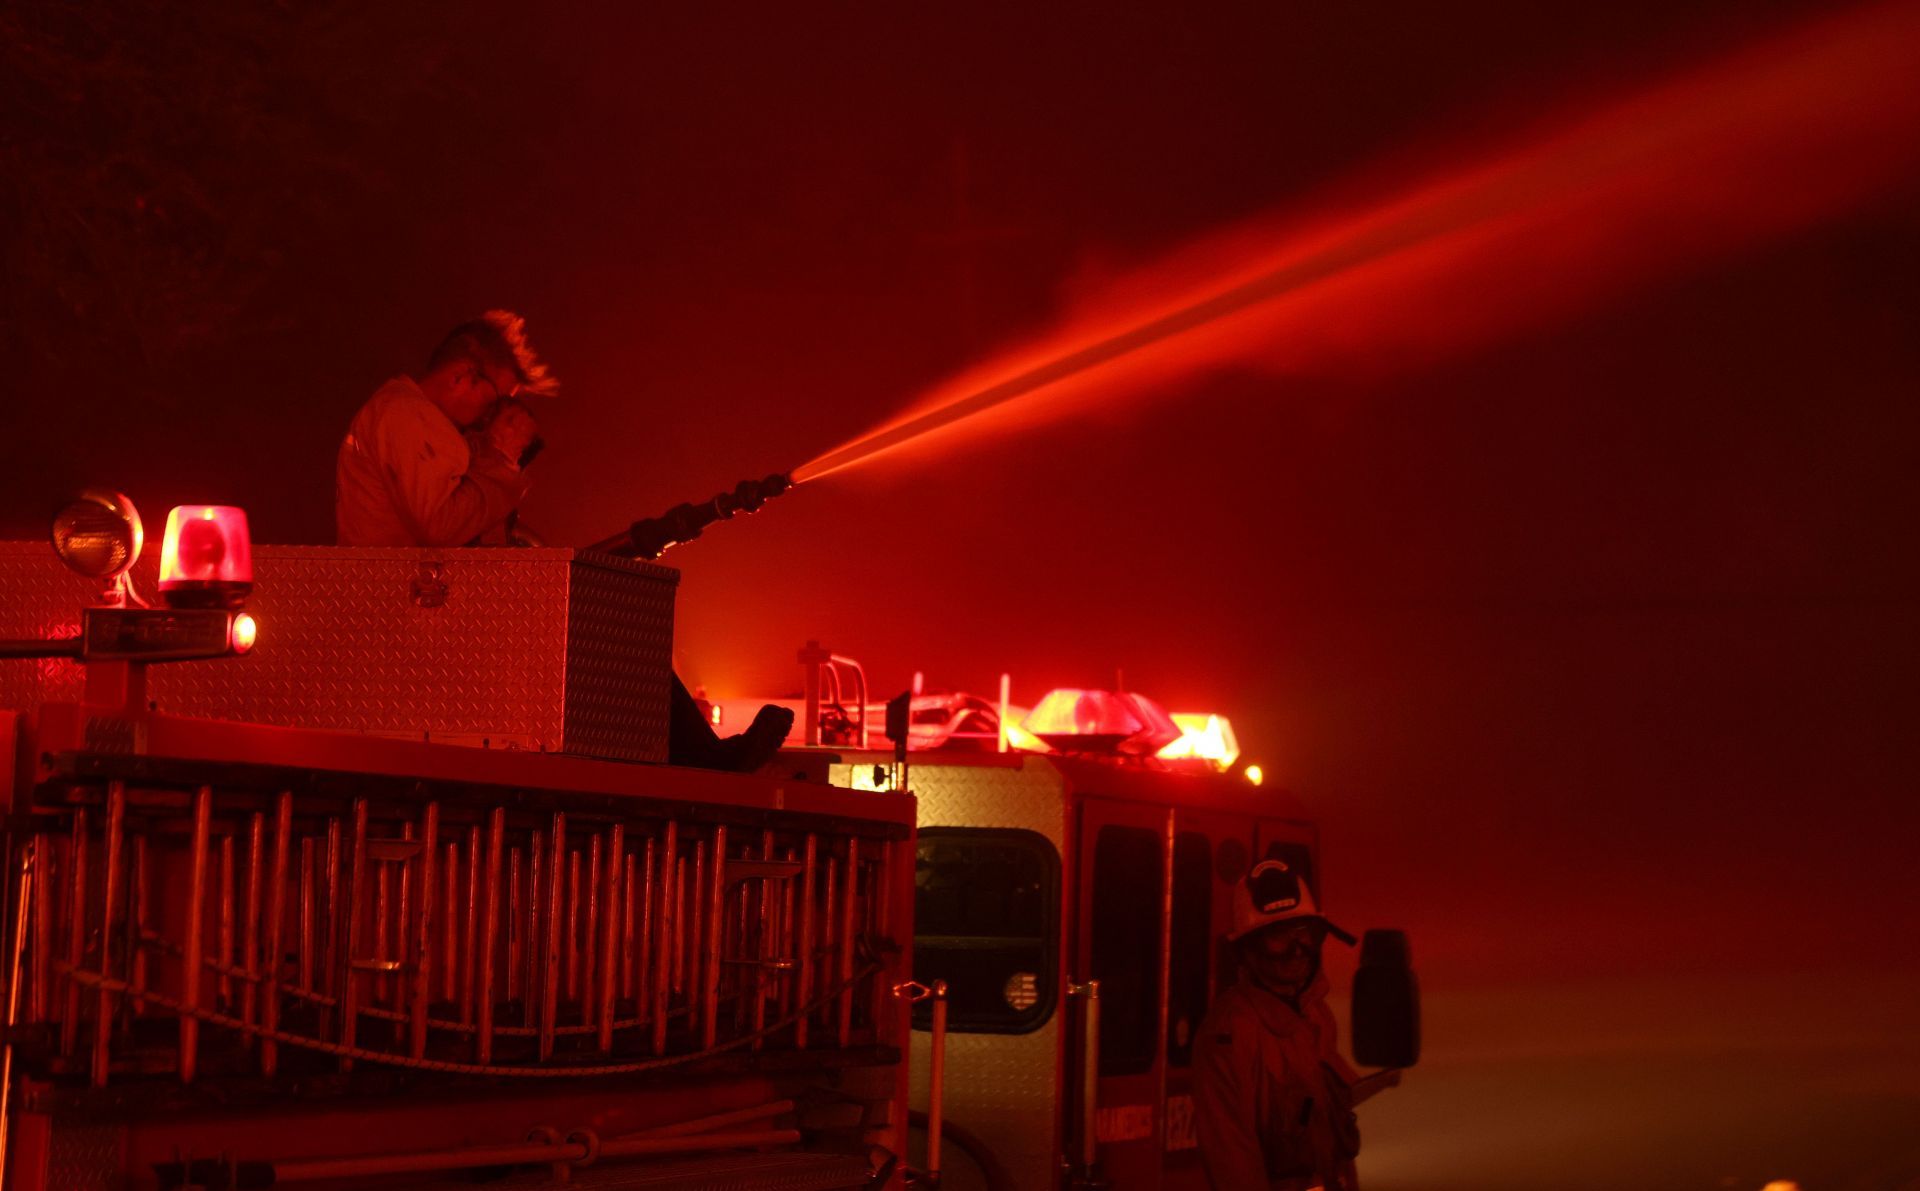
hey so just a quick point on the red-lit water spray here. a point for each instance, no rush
(1750, 147)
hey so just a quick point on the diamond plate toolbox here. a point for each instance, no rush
(557, 650)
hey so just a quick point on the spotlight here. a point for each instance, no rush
(99, 535)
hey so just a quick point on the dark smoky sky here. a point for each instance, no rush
(1595, 648)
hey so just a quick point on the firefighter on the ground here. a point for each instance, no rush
(1273, 1099)
(441, 461)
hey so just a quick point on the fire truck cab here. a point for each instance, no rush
(1072, 897)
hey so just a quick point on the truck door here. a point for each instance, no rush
(1121, 920)
(1211, 852)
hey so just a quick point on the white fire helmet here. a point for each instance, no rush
(1274, 893)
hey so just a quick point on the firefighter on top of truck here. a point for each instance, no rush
(408, 476)
(1273, 1099)
(407, 473)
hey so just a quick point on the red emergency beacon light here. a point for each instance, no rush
(206, 559)
(1076, 721)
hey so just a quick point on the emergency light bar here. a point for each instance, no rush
(1076, 721)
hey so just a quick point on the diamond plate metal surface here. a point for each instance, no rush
(619, 658)
(542, 649)
(1002, 1087)
(39, 598)
(1031, 795)
(85, 1156)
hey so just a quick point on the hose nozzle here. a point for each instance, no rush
(651, 537)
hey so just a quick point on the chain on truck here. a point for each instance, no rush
(340, 866)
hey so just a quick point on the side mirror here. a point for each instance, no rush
(899, 715)
(899, 721)
(1386, 1002)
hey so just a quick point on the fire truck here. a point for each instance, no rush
(332, 866)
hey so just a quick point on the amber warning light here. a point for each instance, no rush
(206, 559)
(1206, 737)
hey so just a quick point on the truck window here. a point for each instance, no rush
(1125, 956)
(1191, 933)
(987, 921)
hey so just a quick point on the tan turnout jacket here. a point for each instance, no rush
(406, 476)
(1272, 1097)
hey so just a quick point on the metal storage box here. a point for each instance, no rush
(558, 650)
